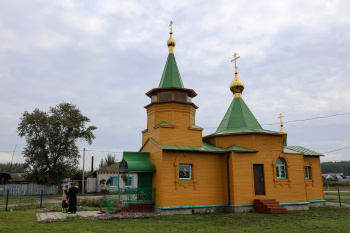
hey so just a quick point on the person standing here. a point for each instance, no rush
(72, 196)
(64, 199)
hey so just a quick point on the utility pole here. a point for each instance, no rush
(12, 159)
(82, 191)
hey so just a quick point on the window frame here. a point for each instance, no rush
(307, 172)
(131, 178)
(280, 167)
(114, 186)
(188, 165)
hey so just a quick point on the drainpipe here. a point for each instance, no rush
(228, 178)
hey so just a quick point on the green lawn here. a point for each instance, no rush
(325, 219)
(343, 200)
(335, 188)
(336, 194)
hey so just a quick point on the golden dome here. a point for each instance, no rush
(171, 42)
(282, 130)
(237, 87)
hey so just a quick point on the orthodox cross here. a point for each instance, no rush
(235, 59)
(281, 118)
(171, 26)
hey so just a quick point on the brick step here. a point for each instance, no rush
(269, 206)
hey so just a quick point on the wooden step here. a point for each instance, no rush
(269, 206)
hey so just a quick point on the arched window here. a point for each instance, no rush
(281, 169)
(307, 173)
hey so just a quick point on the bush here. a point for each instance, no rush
(104, 191)
(95, 202)
(336, 183)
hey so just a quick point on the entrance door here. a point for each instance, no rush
(259, 180)
(144, 186)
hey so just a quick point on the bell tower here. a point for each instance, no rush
(171, 113)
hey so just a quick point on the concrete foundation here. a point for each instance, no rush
(232, 209)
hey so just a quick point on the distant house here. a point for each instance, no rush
(327, 176)
(93, 180)
(18, 178)
(4, 177)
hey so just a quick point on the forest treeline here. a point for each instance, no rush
(15, 168)
(336, 167)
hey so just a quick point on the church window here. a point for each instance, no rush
(281, 169)
(165, 96)
(307, 172)
(154, 98)
(180, 96)
(185, 172)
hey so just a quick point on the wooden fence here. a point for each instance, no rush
(28, 189)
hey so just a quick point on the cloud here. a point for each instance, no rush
(103, 57)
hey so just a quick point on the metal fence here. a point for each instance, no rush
(28, 189)
(124, 197)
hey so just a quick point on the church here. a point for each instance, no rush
(232, 170)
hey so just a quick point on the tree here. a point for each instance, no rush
(51, 152)
(13, 168)
(77, 174)
(109, 160)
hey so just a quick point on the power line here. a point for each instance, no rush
(336, 150)
(104, 151)
(314, 118)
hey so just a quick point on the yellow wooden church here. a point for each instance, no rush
(228, 170)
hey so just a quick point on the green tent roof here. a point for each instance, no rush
(301, 150)
(239, 119)
(206, 147)
(171, 75)
(136, 162)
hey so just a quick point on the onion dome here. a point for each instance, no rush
(171, 42)
(237, 85)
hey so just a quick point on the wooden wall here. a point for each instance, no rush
(314, 186)
(182, 116)
(207, 187)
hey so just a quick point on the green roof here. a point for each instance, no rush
(165, 124)
(206, 147)
(136, 162)
(171, 75)
(239, 119)
(195, 127)
(301, 150)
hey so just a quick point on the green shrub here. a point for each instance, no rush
(336, 183)
(104, 191)
(89, 202)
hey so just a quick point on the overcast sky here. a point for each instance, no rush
(103, 56)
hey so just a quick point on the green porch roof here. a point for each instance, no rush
(136, 162)
(171, 75)
(301, 150)
(206, 147)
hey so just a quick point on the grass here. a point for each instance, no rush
(336, 194)
(335, 188)
(332, 199)
(325, 219)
